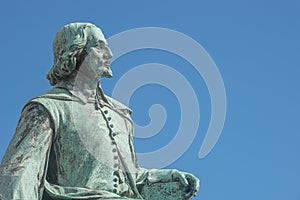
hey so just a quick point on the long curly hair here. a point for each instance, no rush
(68, 46)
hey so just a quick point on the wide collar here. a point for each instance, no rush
(84, 94)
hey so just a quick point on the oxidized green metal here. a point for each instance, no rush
(73, 142)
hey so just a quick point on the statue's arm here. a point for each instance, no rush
(188, 183)
(24, 164)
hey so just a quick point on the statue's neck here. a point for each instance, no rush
(80, 82)
(84, 82)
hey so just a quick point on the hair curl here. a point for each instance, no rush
(68, 46)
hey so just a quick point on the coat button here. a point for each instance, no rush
(109, 118)
(111, 125)
(114, 150)
(115, 185)
(115, 190)
(116, 157)
(105, 111)
(116, 165)
(116, 173)
(115, 180)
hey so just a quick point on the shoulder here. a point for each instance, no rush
(48, 104)
(117, 104)
(36, 111)
(56, 93)
(53, 98)
(49, 99)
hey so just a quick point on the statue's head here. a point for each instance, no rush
(80, 47)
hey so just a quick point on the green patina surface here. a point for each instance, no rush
(74, 142)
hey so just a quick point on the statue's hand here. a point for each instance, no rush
(188, 181)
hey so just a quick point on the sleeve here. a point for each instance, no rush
(150, 176)
(24, 165)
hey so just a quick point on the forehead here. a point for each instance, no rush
(96, 34)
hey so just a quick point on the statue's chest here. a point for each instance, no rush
(97, 133)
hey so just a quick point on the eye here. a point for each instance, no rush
(100, 45)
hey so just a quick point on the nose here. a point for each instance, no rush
(108, 54)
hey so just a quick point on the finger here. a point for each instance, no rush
(189, 193)
(197, 185)
(178, 176)
(194, 184)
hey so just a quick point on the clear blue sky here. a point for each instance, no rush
(255, 45)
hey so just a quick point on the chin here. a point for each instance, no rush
(107, 73)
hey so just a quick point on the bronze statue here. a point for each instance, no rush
(74, 142)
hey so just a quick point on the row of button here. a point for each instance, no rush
(109, 119)
(114, 150)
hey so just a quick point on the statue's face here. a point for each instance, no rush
(97, 62)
